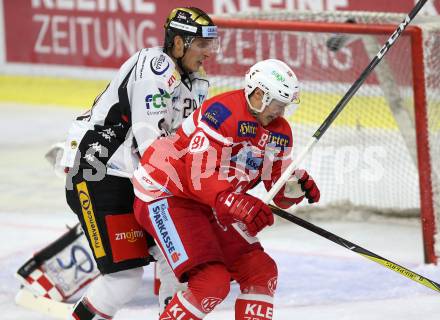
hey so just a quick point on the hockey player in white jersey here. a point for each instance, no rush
(151, 94)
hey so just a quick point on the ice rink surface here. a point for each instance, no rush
(317, 278)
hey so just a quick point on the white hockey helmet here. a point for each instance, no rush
(275, 79)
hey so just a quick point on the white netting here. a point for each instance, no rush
(368, 158)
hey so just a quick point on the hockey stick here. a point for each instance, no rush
(343, 102)
(318, 134)
(357, 249)
(55, 309)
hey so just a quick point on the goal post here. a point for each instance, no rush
(395, 113)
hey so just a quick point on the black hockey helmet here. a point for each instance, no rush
(189, 23)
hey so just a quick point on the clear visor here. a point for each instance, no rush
(287, 109)
(279, 108)
(211, 45)
(276, 107)
(279, 104)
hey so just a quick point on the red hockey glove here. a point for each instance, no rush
(299, 185)
(253, 212)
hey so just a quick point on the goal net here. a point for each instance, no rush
(383, 151)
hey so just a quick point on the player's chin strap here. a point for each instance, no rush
(185, 73)
(265, 102)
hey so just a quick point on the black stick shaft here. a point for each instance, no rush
(357, 249)
(356, 85)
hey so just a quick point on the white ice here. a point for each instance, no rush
(318, 279)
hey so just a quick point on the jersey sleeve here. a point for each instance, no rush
(152, 95)
(210, 140)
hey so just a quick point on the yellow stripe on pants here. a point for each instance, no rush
(90, 219)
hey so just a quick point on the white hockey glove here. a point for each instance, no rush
(54, 156)
(299, 186)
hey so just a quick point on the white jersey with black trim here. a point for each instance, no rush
(148, 98)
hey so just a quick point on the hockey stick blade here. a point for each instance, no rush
(52, 308)
(357, 249)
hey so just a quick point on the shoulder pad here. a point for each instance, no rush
(215, 114)
(174, 79)
(153, 63)
(160, 63)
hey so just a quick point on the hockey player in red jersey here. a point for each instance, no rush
(191, 194)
